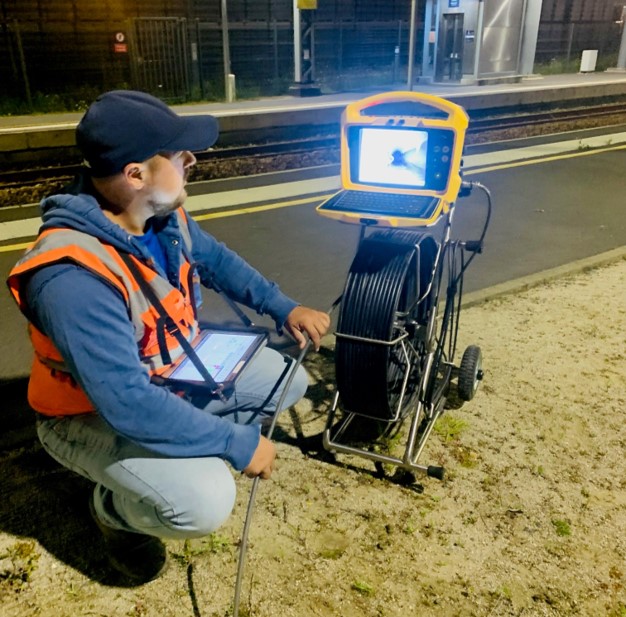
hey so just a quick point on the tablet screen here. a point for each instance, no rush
(223, 354)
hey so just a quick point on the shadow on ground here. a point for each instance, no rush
(41, 500)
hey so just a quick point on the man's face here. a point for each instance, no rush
(168, 176)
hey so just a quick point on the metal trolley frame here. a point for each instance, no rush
(396, 336)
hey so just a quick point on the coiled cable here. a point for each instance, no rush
(382, 299)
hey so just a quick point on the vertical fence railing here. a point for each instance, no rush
(16, 82)
(565, 41)
(23, 67)
(353, 54)
(160, 57)
(8, 54)
(182, 59)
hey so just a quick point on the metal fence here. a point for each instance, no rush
(159, 56)
(182, 59)
(347, 56)
(565, 42)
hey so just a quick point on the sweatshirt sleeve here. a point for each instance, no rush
(88, 322)
(222, 267)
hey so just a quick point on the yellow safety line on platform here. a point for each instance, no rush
(15, 247)
(251, 209)
(546, 159)
(308, 200)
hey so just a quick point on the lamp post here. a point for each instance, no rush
(229, 78)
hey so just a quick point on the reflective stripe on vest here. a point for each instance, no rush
(51, 389)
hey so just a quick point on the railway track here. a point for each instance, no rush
(482, 128)
(481, 124)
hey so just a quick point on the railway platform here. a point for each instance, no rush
(40, 131)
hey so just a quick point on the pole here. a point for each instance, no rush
(621, 57)
(304, 49)
(228, 77)
(20, 48)
(411, 45)
(297, 44)
(479, 37)
(427, 57)
(199, 63)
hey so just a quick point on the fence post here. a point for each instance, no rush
(20, 49)
(200, 71)
(6, 29)
(570, 40)
(396, 53)
(340, 63)
(275, 45)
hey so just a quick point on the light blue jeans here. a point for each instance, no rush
(140, 491)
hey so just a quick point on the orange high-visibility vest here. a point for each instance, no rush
(52, 390)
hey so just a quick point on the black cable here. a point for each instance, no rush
(383, 281)
(448, 332)
(366, 309)
(479, 242)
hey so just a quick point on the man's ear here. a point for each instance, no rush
(134, 173)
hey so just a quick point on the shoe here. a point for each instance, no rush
(139, 557)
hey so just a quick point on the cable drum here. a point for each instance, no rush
(382, 300)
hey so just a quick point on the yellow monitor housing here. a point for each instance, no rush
(401, 143)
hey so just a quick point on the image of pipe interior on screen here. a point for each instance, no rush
(528, 519)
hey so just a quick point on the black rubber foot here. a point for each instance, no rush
(435, 472)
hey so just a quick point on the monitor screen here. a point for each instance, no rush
(400, 157)
(393, 157)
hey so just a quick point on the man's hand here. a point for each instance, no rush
(307, 320)
(262, 463)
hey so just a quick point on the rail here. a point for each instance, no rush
(483, 128)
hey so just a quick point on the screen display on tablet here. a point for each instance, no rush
(223, 353)
(393, 157)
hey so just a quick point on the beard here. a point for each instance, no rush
(161, 206)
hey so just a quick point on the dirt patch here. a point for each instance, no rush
(529, 520)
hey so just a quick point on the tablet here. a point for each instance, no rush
(224, 353)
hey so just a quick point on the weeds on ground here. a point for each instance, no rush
(43, 103)
(213, 544)
(363, 588)
(562, 528)
(564, 65)
(21, 561)
(449, 428)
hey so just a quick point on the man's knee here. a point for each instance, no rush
(298, 387)
(198, 510)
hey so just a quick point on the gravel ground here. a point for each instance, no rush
(529, 519)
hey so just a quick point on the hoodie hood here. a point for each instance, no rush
(79, 209)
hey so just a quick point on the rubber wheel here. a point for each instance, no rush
(470, 372)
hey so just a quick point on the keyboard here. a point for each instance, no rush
(385, 204)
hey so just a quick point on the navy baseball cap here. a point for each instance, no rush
(124, 126)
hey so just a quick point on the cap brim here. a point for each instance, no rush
(198, 133)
